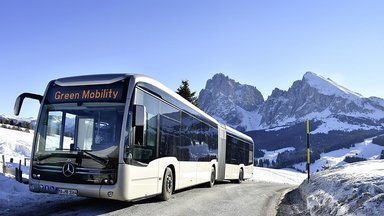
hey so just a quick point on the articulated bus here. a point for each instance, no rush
(128, 137)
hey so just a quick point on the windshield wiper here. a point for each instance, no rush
(43, 157)
(96, 158)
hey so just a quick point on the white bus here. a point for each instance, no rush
(127, 137)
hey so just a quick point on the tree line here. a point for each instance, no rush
(15, 125)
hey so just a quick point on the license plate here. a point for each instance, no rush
(70, 192)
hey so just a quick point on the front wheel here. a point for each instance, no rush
(167, 188)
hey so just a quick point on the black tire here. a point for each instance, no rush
(213, 178)
(167, 188)
(241, 176)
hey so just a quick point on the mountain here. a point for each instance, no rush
(330, 105)
(320, 99)
(231, 102)
(18, 121)
(339, 117)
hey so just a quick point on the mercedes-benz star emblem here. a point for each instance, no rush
(68, 169)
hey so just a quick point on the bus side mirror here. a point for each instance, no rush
(20, 99)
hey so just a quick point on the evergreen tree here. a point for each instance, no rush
(186, 93)
(261, 164)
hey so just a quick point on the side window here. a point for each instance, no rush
(169, 130)
(186, 138)
(250, 155)
(212, 142)
(146, 150)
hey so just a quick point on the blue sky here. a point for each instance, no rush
(268, 44)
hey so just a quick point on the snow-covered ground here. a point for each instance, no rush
(366, 150)
(17, 195)
(283, 176)
(15, 143)
(352, 189)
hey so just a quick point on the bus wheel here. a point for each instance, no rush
(241, 176)
(213, 177)
(167, 188)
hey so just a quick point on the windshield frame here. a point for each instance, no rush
(42, 131)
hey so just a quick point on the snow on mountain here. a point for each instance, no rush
(327, 86)
(352, 189)
(16, 118)
(333, 123)
(315, 97)
(366, 150)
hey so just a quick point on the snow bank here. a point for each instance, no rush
(15, 195)
(353, 189)
(15, 143)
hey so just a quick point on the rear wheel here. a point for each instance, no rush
(167, 188)
(241, 176)
(213, 177)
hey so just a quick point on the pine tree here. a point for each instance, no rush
(186, 93)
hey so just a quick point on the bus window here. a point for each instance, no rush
(145, 147)
(53, 131)
(85, 133)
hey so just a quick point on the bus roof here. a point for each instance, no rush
(149, 80)
(98, 79)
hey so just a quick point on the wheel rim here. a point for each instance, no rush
(168, 183)
(213, 175)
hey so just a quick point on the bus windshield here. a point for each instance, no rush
(67, 128)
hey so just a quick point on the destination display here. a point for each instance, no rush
(70, 94)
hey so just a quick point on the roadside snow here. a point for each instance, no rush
(17, 195)
(353, 189)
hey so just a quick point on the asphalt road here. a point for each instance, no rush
(248, 198)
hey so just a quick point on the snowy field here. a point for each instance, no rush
(272, 155)
(366, 150)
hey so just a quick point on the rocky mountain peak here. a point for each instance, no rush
(230, 101)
